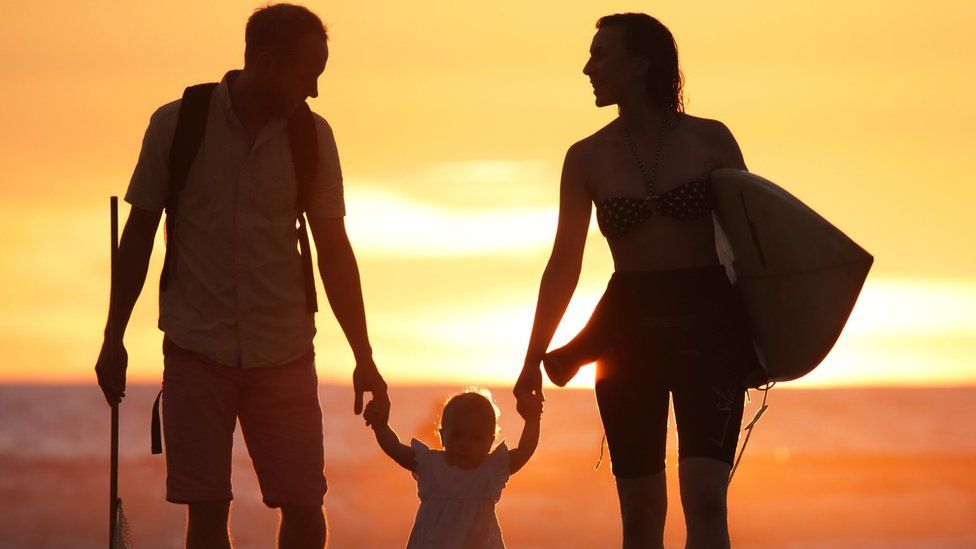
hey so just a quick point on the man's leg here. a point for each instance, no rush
(207, 525)
(282, 425)
(302, 527)
(199, 417)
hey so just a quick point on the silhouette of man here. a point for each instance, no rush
(238, 328)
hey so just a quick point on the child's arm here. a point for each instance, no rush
(529, 440)
(377, 416)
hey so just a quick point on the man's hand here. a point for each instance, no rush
(377, 412)
(112, 380)
(528, 388)
(366, 378)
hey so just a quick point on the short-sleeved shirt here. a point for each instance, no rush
(236, 292)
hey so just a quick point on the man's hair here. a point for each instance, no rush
(647, 37)
(278, 28)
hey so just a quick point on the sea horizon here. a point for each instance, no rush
(888, 467)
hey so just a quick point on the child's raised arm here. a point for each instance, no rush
(377, 416)
(518, 457)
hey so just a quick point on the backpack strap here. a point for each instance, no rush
(191, 124)
(304, 153)
(156, 435)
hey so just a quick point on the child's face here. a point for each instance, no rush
(467, 438)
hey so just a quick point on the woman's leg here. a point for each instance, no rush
(634, 408)
(708, 419)
(704, 485)
(643, 508)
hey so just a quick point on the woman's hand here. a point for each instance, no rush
(528, 388)
(530, 407)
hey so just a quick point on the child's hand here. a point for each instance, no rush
(531, 407)
(377, 412)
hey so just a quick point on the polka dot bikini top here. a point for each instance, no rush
(619, 214)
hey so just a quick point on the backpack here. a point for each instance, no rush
(191, 125)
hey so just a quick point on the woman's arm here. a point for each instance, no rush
(377, 416)
(562, 272)
(529, 440)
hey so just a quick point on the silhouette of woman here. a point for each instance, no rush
(670, 321)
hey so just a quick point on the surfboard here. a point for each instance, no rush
(798, 275)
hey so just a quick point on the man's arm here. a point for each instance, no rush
(135, 249)
(340, 276)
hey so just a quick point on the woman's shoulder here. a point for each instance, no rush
(591, 144)
(706, 129)
(712, 137)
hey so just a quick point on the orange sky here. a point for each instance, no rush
(452, 119)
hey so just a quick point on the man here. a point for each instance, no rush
(238, 326)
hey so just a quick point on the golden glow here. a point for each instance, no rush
(452, 120)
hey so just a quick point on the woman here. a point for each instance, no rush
(670, 321)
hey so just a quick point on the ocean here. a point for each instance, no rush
(824, 468)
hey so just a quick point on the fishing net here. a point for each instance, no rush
(123, 535)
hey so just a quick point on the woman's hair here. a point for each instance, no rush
(647, 37)
(473, 400)
(278, 28)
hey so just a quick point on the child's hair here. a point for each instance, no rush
(472, 400)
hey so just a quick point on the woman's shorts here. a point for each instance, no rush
(678, 332)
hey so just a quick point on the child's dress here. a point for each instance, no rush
(457, 506)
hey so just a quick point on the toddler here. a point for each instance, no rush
(459, 485)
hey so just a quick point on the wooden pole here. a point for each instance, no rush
(114, 475)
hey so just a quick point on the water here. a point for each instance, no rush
(852, 467)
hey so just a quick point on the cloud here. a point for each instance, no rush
(481, 207)
(903, 306)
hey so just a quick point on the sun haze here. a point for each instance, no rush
(452, 120)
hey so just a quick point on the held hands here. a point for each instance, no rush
(366, 378)
(377, 412)
(530, 407)
(528, 388)
(112, 380)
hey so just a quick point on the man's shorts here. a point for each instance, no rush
(278, 408)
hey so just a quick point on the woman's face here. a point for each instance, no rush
(614, 72)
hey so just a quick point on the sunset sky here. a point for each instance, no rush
(452, 119)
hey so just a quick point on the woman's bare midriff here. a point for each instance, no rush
(664, 244)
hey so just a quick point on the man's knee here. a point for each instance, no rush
(306, 512)
(209, 511)
(304, 516)
(302, 526)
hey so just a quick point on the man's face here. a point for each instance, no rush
(294, 76)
